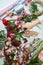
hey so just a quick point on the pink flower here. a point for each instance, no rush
(17, 58)
(17, 21)
(9, 39)
(41, 56)
(23, 63)
(28, 1)
(12, 35)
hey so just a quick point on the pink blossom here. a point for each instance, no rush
(23, 63)
(9, 39)
(41, 56)
(17, 21)
(28, 1)
(12, 35)
(17, 58)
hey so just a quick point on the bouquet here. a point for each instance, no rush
(17, 52)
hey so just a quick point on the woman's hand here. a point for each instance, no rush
(27, 25)
(31, 24)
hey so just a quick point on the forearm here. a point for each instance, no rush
(37, 21)
(33, 23)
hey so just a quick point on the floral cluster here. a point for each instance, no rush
(13, 30)
(18, 53)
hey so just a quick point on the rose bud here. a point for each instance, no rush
(17, 21)
(12, 35)
(26, 3)
(5, 22)
(17, 58)
(23, 63)
(8, 39)
(41, 56)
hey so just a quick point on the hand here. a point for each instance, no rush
(31, 24)
(27, 25)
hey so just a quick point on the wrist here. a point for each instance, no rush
(35, 22)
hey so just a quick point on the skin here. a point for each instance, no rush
(31, 24)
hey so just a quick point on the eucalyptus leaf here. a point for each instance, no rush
(2, 39)
(34, 7)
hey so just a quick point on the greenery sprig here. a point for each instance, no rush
(2, 36)
(34, 7)
(2, 39)
(35, 61)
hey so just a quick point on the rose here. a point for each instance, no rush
(5, 22)
(17, 58)
(8, 39)
(41, 56)
(23, 63)
(27, 1)
(12, 35)
(17, 21)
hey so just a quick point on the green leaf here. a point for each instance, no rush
(18, 35)
(12, 23)
(2, 39)
(30, 18)
(2, 35)
(34, 7)
(5, 62)
(12, 55)
(33, 16)
(34, 61)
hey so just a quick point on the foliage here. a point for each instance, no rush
(34, 61)
(34, 7)
(5, 62)
(2, 35)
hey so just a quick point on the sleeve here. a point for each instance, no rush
(40, 18)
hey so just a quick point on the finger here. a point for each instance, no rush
(26, 25)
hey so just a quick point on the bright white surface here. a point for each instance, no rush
(41, 18)
(5, 3)
(1, 61)
(2, 27)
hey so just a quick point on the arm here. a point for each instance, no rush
(33, 23)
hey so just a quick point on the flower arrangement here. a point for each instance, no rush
(24, 55)
(16, 52)
(14, 31)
